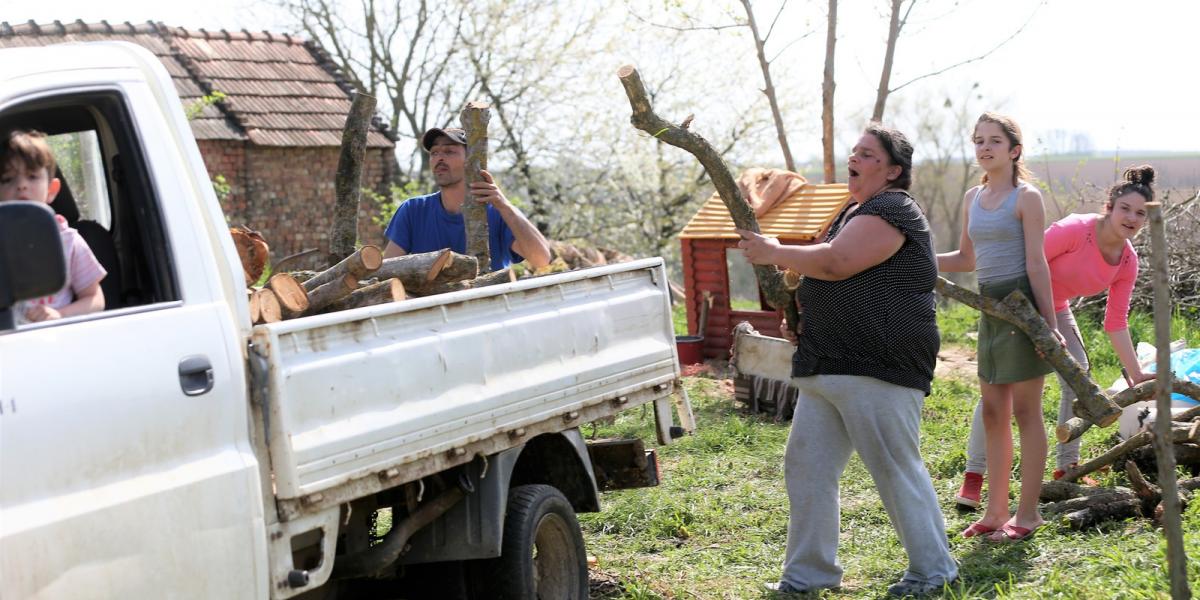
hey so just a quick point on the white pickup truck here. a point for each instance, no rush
(165, 448)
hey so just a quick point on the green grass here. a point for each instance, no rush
(716, 526)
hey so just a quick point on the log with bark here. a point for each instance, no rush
(474, 119)
(1015, 308)
(487, 279)
(252, 250)
(269, 310)
(419, 270)
(1076, 426)
(382, 292)
(1178, 435)
(770, 278)
(348, 180)
(329, 292)
(293, 300)
(359, 265)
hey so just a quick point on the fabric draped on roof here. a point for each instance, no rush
(279, 89)
(803, 216)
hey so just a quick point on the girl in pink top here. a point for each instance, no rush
(1088, 254)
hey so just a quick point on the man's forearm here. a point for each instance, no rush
(530, 243)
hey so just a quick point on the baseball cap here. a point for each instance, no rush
(454, 133)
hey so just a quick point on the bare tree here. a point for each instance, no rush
(895, 28)
(827, 87)
(760, 46)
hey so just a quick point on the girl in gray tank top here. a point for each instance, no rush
(998, 238)
(1010, 371)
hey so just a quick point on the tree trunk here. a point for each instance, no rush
(827, 87)
(293, 300)
(447, 285)
(348, 182)
(388, 290)
(331, 291)
(889, 55)
(269, 310)
(1016, 309)
(475, 123)
(361, 263)
(1172, 524)
(770, 278)
(760, 45)
(415, 270)
(1059, 490)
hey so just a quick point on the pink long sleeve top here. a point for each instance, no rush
(1077, 268)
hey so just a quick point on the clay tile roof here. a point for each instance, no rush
(279, 89)
(801, 217)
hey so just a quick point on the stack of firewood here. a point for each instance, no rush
(1082, 506)
(364, 278)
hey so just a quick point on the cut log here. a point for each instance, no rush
(293, 301)
(388, 290)
(770, 278)
(417, 270)
(1093, 515)
(457, 267)
(1083, 502)
(330, 292)
(269, 310)
(485, 280)
(1185, 454)
(1178, 434)
(361, 263)
(474, 119)
(494, 278)
(254, 304)
(1059, 490)
(1015, 308)
(252, 251)
(348, 179)
(1137, 481)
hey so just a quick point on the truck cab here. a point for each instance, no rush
(165, 446)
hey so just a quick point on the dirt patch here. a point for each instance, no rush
(956, 362)
(603, 586)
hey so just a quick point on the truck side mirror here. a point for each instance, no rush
(31, 256)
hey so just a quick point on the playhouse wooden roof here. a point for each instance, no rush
(803, 216)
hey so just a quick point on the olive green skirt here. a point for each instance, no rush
(1005, 353)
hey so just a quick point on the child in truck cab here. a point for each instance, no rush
(27, 173)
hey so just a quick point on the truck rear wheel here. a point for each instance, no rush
(543, 556)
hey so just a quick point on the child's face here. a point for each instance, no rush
(19, 183)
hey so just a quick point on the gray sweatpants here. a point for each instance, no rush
(839, 414)
(1068, 453)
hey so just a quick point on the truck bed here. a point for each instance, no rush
(357, 401)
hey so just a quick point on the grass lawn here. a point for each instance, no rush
(715, 527)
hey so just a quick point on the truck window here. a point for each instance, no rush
(107, 195)
(81, 167)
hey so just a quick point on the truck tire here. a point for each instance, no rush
(542, 556)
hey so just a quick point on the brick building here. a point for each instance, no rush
(276, 134)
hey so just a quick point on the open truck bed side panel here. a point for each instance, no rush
(366, 399)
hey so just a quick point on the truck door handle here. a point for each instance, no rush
(195, 375)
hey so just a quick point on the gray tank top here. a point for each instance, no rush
(998, 239)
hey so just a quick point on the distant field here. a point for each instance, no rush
(1086, 177)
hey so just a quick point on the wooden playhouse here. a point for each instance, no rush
(715, 271)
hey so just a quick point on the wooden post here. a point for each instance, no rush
(474, 123)
(348, 181)
(770, 278)
(1164, 453)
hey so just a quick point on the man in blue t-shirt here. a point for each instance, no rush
(435, 221)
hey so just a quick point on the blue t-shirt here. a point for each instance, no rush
(422, 224)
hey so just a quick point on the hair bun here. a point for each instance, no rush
(1143, 175)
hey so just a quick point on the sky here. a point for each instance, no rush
(1119, 71)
